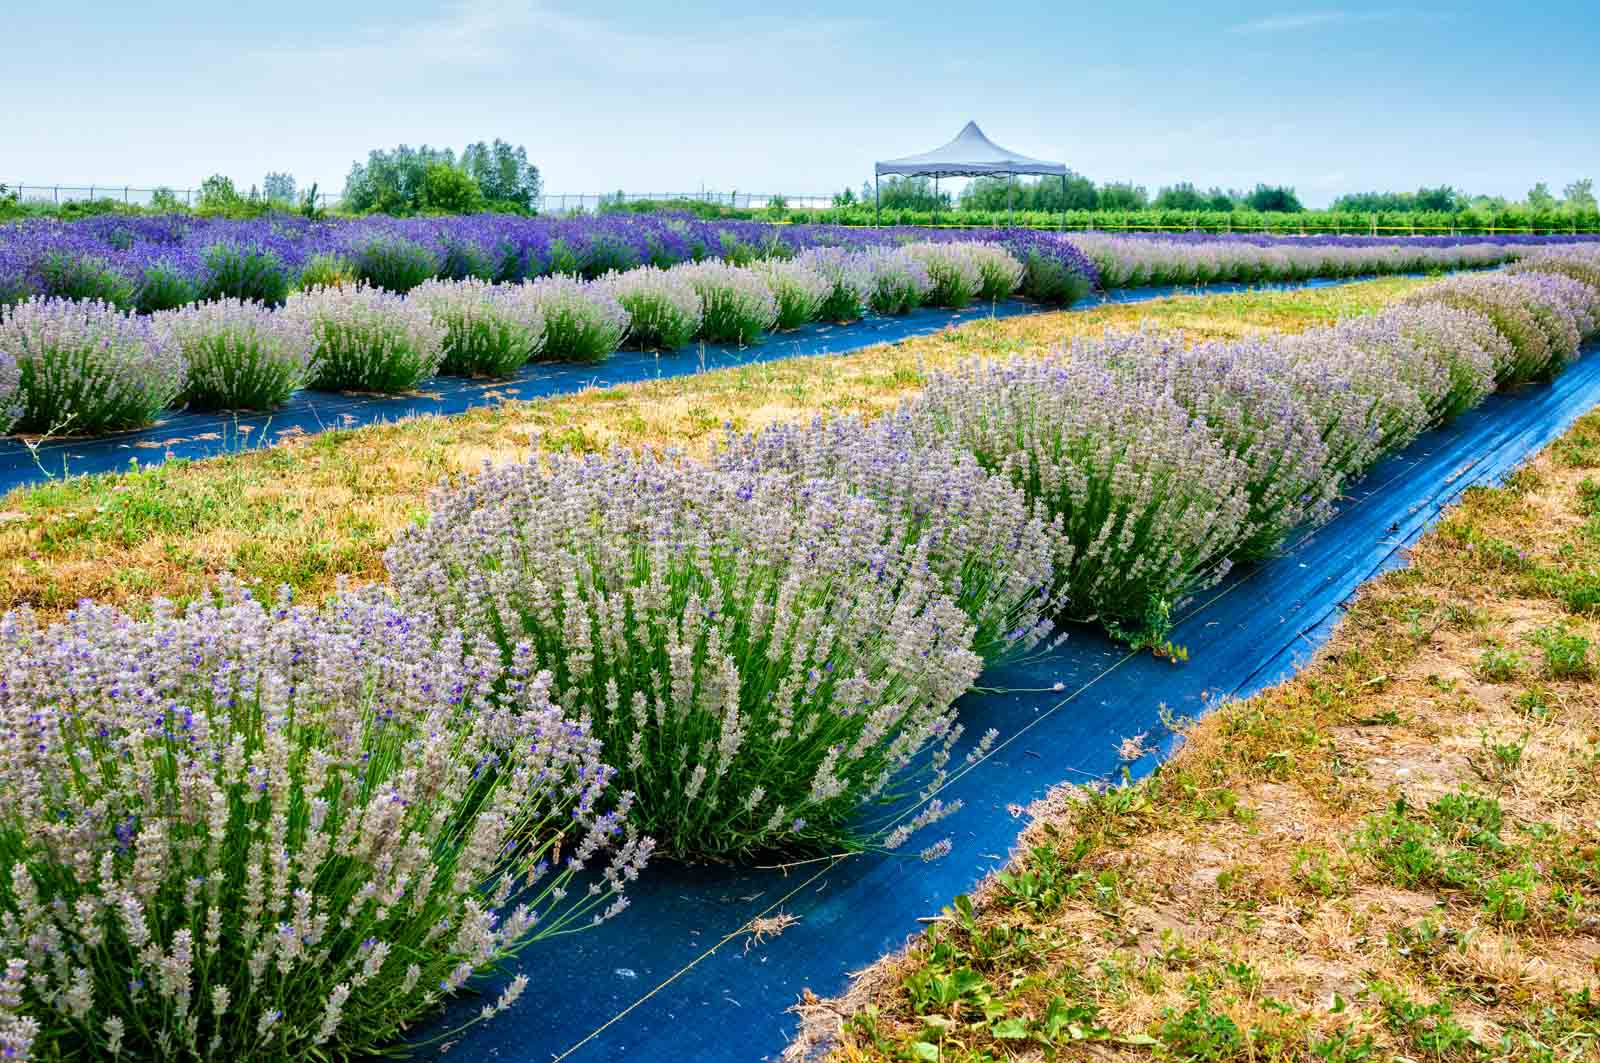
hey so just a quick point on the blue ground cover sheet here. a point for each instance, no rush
(671, 978)
(204, 435)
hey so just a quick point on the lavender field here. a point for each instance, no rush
(241, 829)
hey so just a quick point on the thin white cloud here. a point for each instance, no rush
(530, 33)
(1301, 20)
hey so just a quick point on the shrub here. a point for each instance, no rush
(394, 263)
(1145, 503)
(1567, 262)
(999, 271)
(583, 321)
(239, 356)
(87, 367)
(850, 277)
(490, 330)
(799, 290)
(899, 282)
(164, 286)
(736, 306)
(368, 340)
(975, 530)
(290, 837)
(326, 270)
(248, 272)
(1575, 303)
(954, 271)
(1052, 282)
(1252, 412)
(759, 662)
(1359, 396)
(69, 275)
(10, 391)
(663, 307)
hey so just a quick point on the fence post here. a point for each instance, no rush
(1374, 219)
(58, 195)
(124, 195)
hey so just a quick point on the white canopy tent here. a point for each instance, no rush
(970, 154)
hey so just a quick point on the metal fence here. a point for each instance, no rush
(125, 194)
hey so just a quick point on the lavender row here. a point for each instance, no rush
(159, 262)
(87, 366)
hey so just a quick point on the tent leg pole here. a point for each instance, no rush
(877, 204)
(1063, 202)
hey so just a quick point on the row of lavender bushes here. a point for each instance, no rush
(278, 832)
(85, 366)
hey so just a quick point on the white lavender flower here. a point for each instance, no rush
(490, 329)
(86, 367)
(239, 355)
(736, 304)
(663, 306)
(799, 289)
(583, 321)
(368, 339)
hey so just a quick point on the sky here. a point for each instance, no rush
(678, 97)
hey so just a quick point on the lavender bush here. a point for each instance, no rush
(1582, 264)
(251, 272)
(955, 272)
(280, 834)
(326, 270)
(799, 289)
(899, 281)
(975, 530)
(68, 275)
(238, 355)
(850, 277)
(395, 264)
(1449, 357)
(663, 307)
(1512, 315)
(490, 330)
(999, 272)
(761, 661)
(368, 339)
(583, 321)
(1144, 502)
(736, 304)
(10, 391)
(87, 367)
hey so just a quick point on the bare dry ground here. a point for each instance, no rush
(1395, 855)
(310, 512)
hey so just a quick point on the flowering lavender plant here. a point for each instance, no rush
(799, 289)
(1582, 264)
(760, 658)
(1251, 409)
(10, 388)
(1449, 356)
(368, 339)
(900, 282)
(394, 263)
(239, 356)
(663, 307)
(583, 321)
(69, 275)
(999, 272)
(1511, 312)
(281, 834)
(953, 268)
(327, 269)
(87, 367)
(736, 304)
(1144, 502)
(490, 330)
(244, 271)
(975, 530)
(850, 276)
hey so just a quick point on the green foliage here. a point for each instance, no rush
(163, 287)
(326, 270)
(1566, 653)
(394, 263)
(503, 174)
(911, 193)
(450, 190)
(278, 189)
(218, 194)
(76, 276)
(244, 271)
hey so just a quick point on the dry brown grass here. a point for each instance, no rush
(1259, 898)
(314, 510)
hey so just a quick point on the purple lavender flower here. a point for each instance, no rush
(239, 356)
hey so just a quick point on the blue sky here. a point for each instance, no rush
(675, 96)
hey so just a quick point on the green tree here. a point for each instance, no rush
(1539, 197)
(503, 174)
(1181, 196)
(1123, 195)
(279, 189)
(450, 189)
(1579, 195)
(391, 182)
(217, 193)
(1278, 199)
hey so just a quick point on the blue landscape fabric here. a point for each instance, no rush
(205, 435)
(652, 983)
